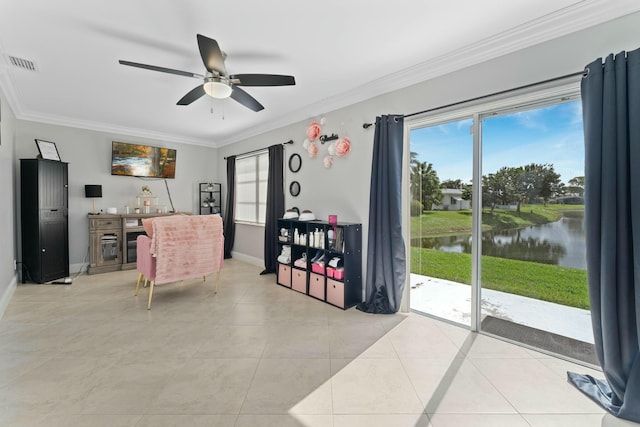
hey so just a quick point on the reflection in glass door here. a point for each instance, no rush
(440, 225)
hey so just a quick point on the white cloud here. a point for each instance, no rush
(531, 119)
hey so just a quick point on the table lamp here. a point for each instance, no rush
(93, 191)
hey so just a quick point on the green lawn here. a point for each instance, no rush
(437, 223)
(561, 285)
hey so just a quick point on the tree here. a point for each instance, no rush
(522, 184)
(539, 181)
(551, 185)
(424, 183)
(499, 188)
(576, 186)
(467, 192)
(414, 179)
(455, 184)
(489, 191)
(430, 193)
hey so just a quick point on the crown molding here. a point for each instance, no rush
(120, 130)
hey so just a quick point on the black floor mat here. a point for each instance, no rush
(554, 343)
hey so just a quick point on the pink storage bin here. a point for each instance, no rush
(338, 273)
(299, 280)
(330, 271)
(317, 268)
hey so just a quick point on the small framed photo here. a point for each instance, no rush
(48, 150)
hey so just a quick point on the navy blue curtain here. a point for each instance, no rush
(275, 207)
(386, 260)
(229, 226)
(611, 113)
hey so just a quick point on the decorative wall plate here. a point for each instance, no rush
(295, 162)
(294, 188)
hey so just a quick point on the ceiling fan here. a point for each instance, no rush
(217, 82)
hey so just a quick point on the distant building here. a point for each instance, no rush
(452, 201)
(571, 200)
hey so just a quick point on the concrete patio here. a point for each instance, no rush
(452, 301)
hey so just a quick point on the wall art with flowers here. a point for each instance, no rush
(336, 149)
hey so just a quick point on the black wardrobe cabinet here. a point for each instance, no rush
(44, 220)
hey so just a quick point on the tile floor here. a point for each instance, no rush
(257, 354)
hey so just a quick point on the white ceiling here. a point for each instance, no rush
(339, 51)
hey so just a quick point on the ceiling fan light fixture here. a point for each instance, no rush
(217, 87)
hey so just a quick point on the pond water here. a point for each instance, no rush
(559, 243)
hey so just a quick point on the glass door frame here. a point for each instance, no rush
(545, 94)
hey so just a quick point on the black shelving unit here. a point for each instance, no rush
(209, 200)
(44, 202)
(339, 243)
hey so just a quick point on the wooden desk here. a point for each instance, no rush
(112, 240)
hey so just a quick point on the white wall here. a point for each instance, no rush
(89, 156)
(7, 204)
(344, 189)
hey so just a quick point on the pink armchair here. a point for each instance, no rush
(179, 247)
(145, 263)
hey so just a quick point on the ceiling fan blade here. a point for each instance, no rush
(193, 95)
(245, 99)
(263, 80)
(211, 55)
(161, 69)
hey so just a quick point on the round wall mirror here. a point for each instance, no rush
(294, 188)
(295, 162)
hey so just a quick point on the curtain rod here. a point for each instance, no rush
(260, 149)
(478, 98)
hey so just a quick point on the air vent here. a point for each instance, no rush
(25, 64)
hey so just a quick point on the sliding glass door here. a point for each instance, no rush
(519, 269)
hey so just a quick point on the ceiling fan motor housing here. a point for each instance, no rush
(217, 87)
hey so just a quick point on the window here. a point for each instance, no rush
(251, 188)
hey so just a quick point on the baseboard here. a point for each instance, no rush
(258, 262)
(7, 295)
(74, 268)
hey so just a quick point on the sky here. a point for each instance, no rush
(548, 135)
